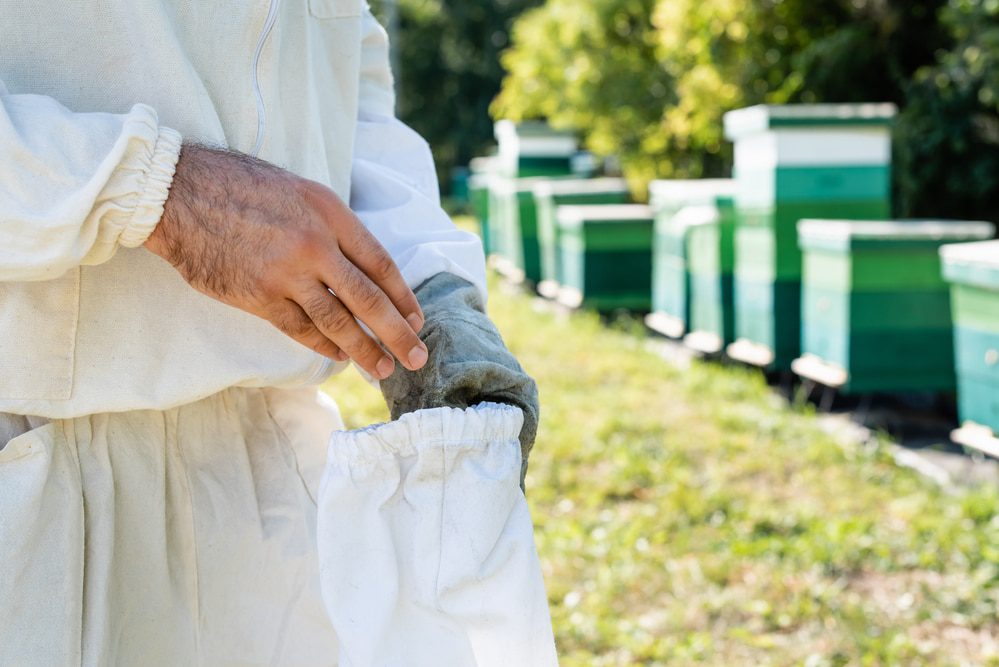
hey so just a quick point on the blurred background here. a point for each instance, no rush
(764, 440)
(647, 81)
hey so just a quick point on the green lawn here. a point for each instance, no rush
(692, 517)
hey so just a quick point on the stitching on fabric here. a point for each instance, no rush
(174, 415)
(62, 429)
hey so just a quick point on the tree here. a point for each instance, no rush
(449, 71)
(947, 139)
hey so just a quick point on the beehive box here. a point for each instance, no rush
(606, 256)
(875, 308)
(670, 275)
(794, 162)
(710, 258)
(972, 269)
(514, 227)
(533, 148)
(548, 195)
(480, 170)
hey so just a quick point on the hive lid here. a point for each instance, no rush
(574, 186)
(690, 191)
(761, 117)
(893, 230)
(972, 263)
(533, 139)
(508, 184)
(576, 214)
(695, 216)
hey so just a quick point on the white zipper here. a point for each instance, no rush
(261, 110)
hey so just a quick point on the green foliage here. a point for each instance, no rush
(691, 517)
(447, 55)
(649, 81)
(585, 65)
(947, 149)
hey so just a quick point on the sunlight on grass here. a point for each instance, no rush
(691, 517)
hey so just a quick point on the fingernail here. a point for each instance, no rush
(417, 357)
(415, 321)
(384, 367)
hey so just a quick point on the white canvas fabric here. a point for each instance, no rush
(189, 537)
(426, 547)
(181, 537)
(95, 99)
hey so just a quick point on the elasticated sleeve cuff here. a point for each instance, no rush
(154, 187)
(475, 426)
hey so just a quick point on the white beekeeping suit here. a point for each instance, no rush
(160, 452)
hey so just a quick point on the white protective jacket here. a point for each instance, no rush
(95, 99)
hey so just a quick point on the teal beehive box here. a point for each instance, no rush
(670, 273)
(550, 194)
(709, 259)
(875, 308)
(794, 162)
(972, 269)
(606, 256)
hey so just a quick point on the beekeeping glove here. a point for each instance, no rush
(469, 363)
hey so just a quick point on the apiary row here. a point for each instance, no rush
(793, 264)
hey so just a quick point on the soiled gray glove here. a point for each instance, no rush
(468, 361)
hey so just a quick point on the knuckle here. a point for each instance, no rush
(382, 266)
(293, 324)
(335, 318)
(402, 337)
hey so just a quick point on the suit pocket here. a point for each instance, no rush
(334, 9)
(38, 323)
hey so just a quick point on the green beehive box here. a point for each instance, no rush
(533, 148)
(794, 162)
(606, 256)
(972, 269)
(875, 308)
(480, 171)
(710, 258)
(670, 275)
(514, 227)
(548, 195)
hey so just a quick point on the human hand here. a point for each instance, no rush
(288, 250)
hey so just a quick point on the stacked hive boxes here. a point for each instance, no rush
(528, 153)
(875, 308)
(973, 272)
(605, 252)
(548, 196)
(670, 274)
(794, 162)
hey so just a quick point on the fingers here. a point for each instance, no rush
(365, 252)
(330, 316)
(373, 307)
(295, 323)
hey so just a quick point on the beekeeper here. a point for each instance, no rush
(206, 208)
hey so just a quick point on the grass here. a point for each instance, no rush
(692, 517)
